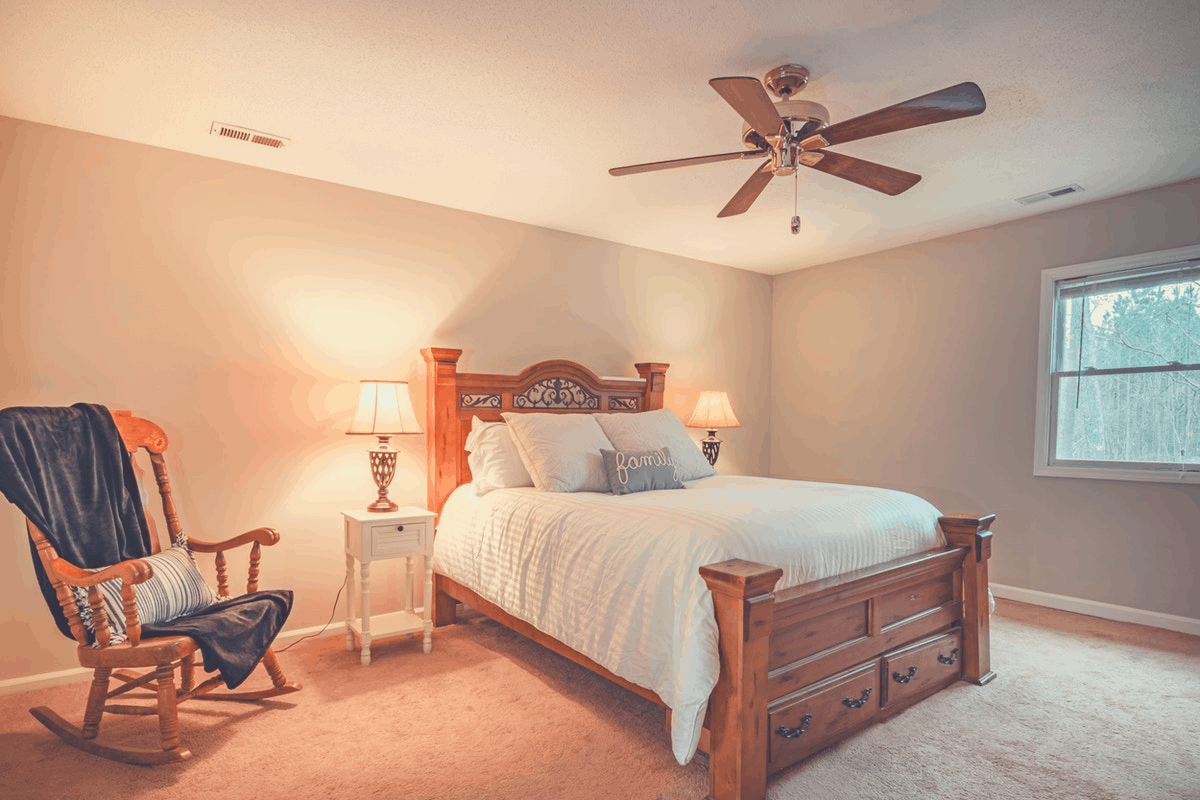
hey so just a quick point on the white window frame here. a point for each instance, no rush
(1050, 277)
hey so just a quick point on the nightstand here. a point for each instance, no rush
(404, 533)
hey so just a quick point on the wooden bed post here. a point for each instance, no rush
(964, 530)
(737, 708)
(442, 446)
(655, 375)
(442, 431)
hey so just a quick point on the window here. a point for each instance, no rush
(1119, 369)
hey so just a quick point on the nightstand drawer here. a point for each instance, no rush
(396, 540)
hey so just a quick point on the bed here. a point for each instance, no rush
(799, 662)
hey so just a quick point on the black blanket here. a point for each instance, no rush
(67, 470)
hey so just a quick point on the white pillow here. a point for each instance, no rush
(561, 451)
(651, 430)
(493, 458)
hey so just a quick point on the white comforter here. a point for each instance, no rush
(616, 577)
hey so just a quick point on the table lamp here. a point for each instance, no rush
(712, 412)
(384, 410)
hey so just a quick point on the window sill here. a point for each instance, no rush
(1117, 474)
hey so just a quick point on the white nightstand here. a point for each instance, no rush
(404, 533)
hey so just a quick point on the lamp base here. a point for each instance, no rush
(383, 467)
(711, 447)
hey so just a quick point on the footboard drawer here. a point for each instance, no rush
(921, 668)
(815, 716)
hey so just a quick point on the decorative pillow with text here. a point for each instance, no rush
(642, 471)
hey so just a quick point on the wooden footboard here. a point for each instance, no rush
(807, 666)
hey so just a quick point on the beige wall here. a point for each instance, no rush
(238, 307)
(916, 368)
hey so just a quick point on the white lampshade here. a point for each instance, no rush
(384, 409)
(713, 411)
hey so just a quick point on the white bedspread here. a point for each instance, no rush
(616, 577)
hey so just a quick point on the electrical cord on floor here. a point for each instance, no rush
(323, 628)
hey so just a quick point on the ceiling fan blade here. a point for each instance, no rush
(686, 162)
(751, 189)
(750, 100)
(888, 180)
(963, 100)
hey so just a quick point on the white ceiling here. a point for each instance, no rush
(517, 108)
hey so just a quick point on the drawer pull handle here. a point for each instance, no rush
(795, 733)
(399, 527)
(848, 703)
(898, 678)
(949, 659)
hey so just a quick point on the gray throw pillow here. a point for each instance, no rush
(641, 471)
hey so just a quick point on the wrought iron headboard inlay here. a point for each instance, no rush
(622, 404)
(480, 400)
(557, 393)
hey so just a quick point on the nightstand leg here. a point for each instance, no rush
(428, 610)
(349, 601)
(365, 612)
(409, 588)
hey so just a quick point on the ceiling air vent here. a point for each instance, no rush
(1061, 191)
(247, 135)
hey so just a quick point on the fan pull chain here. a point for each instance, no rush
(796, 203)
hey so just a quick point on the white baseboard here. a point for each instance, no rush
(45, 680)
(1093, 608)
(335, 627)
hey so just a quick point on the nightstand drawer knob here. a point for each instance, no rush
(399, 527)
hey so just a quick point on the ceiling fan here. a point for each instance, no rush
(795, 132)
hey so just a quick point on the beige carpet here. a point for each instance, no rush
(1082, 709)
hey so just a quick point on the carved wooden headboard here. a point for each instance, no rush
(560, 387)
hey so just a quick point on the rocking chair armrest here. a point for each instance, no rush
(262, 536)
(131, 572)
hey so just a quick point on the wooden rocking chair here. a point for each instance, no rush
(162, 654)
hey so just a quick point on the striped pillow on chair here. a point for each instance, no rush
(176, 589)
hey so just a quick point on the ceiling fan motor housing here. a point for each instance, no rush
(802, 118)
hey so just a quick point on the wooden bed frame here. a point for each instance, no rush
(801, 667)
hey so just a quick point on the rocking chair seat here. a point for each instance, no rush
(146, 653)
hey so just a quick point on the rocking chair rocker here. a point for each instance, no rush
(163, 654)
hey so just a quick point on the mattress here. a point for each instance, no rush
(616, 578)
